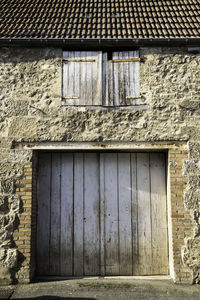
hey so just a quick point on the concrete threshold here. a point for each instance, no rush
(109, 288)
(155, 277)
(107, 278)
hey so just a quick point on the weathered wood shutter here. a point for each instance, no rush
(82, 78)
(121, 81)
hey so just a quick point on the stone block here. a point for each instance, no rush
(4, 207)
(6, 186)
(192, 198)
(191, 167)
(191, 257)
(5, 276)
(194, 151)
(22, 127)
(8, 257)
(15, 108)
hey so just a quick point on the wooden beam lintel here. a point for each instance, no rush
(125, 60)
(78, 60)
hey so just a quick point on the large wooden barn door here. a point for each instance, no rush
(102, 214)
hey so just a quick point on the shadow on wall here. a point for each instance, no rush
(55, 298)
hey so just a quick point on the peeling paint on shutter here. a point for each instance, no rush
(82, 78)
(122, 79)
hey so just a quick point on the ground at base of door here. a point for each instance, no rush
(102, 289)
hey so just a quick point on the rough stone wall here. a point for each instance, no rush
(31, 111)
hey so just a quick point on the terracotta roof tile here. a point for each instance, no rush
(99, 19)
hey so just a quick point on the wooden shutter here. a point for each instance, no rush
(121, 83)
(82, 78)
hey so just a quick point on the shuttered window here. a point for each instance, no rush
(96, 78)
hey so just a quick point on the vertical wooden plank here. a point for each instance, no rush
(71, 78)
(87, 96)
(102, 215)
(90, 79)
(115, 68)
(78, 214)
(136, 67)
(43, 218)
(125, 230)
(97, 78)
(111, 215)
(159, 214)
(82, 78)
(55, 216)
(144, 215)
(133, 90)
(132, 79)
(134, 213)
(108, 71)
(111, 95)
(126, 79)
(105, 76)
(91, 214)
(66, 239)
(77, 92)
(121, 77)
(65, 75)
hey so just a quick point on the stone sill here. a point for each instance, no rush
(92, 107)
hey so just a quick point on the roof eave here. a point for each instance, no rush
(146, 42)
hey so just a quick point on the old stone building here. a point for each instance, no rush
(99, 139)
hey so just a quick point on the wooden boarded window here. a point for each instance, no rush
(92, 78)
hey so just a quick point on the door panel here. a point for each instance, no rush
(111, 210)
(43, 220)
(144, 255)
(91, 214)
(66, 214)
(125, 230)
(77, 225)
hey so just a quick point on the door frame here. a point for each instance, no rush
(179, 218)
